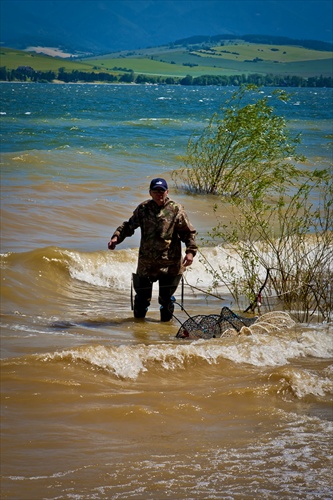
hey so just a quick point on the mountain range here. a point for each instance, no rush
(102, 26)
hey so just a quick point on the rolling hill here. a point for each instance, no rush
(230, 58)
(181, 59)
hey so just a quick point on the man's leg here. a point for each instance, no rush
(168, 285)
(143, 288)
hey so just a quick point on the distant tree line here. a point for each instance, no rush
(28, 74)
(269, 80)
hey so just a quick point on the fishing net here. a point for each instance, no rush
(213, 325)
(272, 322)
(230, 324)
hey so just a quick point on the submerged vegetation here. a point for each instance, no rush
(281, 234)
(245, 149)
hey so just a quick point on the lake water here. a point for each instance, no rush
(95, 404)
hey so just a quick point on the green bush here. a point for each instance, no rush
(279, 244)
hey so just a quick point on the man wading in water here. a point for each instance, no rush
(164, 225)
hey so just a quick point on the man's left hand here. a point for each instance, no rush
(188, 259)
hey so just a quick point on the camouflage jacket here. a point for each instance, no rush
(162, 231)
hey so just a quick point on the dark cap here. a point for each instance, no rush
(158, 184)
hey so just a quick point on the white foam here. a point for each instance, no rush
(103, 269)
(129, 361)
(107, 269)
(305, 382)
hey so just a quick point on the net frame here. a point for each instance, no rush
(213, 325)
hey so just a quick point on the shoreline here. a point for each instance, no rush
(59, 82)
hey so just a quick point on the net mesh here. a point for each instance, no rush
(272, 322)
(229, 324)
(213, 325)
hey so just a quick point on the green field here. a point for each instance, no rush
(12, 59)
(269, 53)
(155, 67)
(230, 59)
(237, 58)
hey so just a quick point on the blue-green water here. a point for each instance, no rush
(100, 117)
(119, 137)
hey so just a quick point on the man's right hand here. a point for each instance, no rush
(112, 243)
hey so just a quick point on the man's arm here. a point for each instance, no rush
(187, 234)
(188, 259)
(125, 230)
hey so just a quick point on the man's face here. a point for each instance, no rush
(159, 196)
